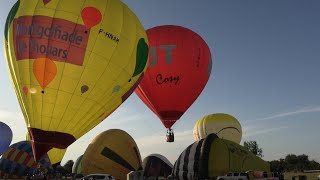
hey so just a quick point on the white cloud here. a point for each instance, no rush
(309, 109)
(256, 131)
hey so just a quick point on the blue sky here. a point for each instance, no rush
(266, 60)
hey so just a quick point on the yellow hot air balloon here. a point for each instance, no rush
(112, 152)
(224, 125)
(72, 63)
(55, 155)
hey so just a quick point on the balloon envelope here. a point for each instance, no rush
(18, 161)
(211, 157)
(179, 68)
(65, 58)
(5, 137)
(77, 166)
(56, 155)
(156, 165)
(224, 125)
(112, 152)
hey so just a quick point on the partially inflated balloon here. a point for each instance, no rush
(156, 165)
(179, 68)
(5, 137)
(55, 155)
(18, 161)
(224, 125)
(111, 152)
(78, 59)
(211, 157)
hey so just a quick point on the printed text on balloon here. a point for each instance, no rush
(109, 35)
(154, 54)
(170, 79)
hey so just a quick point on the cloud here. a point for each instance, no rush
(309, 109)
(255, 131)
(249, 131)
(6, 115)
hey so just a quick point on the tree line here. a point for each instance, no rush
(294, 162)
(290, 163)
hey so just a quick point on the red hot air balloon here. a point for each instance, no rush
(179, 68)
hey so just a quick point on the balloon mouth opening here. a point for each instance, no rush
(42, 141)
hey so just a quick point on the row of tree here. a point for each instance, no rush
(294, 162)
(290, 163)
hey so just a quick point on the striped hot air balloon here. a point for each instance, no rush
(211, 157)
(18, 161)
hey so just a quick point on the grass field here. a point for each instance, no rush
(310, 176)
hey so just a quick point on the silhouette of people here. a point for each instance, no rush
(39, 173)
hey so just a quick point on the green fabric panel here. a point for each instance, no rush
(10, 18)
(227, 156)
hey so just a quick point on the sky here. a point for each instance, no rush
(266, 60)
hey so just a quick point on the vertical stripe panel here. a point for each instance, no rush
(197, 158)
(190, 168)
(204, 155)
(12, 150)
(180, 167)
(186, 162)
(26, 160)
(18, 156)
(175, 167)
